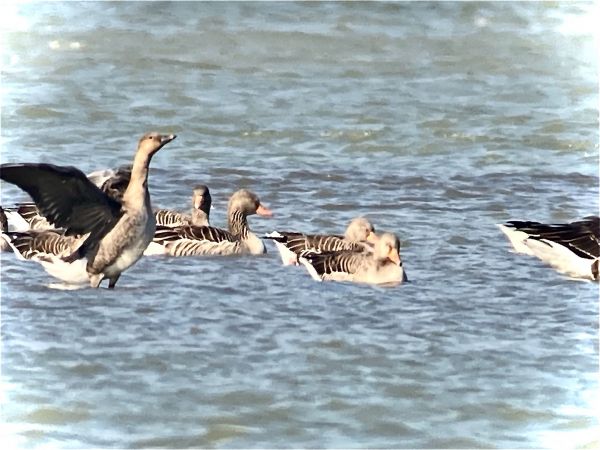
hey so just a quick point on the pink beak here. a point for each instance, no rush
(263, 211)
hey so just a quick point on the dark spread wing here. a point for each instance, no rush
(66, 198)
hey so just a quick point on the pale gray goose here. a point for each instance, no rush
(571, 248)
(190, 240)
(116, 233)
(381, 266)
(201, 202)
(359, 235)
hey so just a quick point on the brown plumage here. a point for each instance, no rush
(381, 266)
(359, 235)
(116, 232)
(190, 240)
(201, 202)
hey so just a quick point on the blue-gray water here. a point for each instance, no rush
(435, 120)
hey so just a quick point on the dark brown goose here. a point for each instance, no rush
(116, 233)
(201, 202)
(359, 235)
(570, 248)
(190, 240)
(381, 266)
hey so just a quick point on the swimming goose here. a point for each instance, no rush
(358, 236)
(381, 266)
(49, 248)
(190, 240)
(571, 248)
(114, 183)
(201, 201)
(117, 233)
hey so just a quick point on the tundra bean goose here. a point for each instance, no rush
(359, 235)
(117, 232)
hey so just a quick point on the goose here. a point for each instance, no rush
(201, 202)
(114, 183)
(571, 248)
(26, 216)
(49, 248)
(116, 233)
(190, 240)
(381, 266)
(359, 234)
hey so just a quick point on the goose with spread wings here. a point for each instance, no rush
(570, 248)
(116, 232)
(26, 215)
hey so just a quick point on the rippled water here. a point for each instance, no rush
(436, 120)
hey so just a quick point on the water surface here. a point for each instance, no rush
(435, 120)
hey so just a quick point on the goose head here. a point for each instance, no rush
(360, 230)
(152, 142)
(201, 198)
(247, 203)
(387, 247)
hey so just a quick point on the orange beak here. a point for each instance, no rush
(372, 237)
(394, 256)
(263, 211)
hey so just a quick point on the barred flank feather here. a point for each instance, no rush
(171, 218)
(35, 244)
(379, 267)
